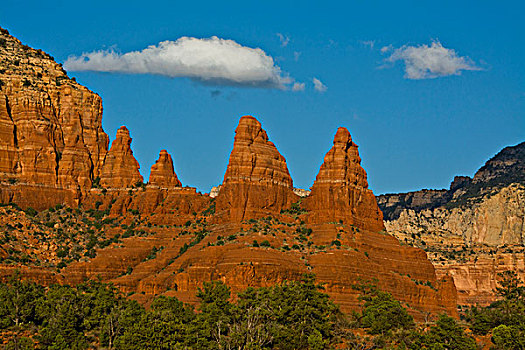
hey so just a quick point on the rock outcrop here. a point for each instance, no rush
(257, 181)
(162, 173)
(474, 230)
(493, 220)
(340, 192)
(121, 169)
(505, 168)
(51, 134)
(473, 242)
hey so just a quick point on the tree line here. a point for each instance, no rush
(293, 315)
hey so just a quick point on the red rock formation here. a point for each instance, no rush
(340, 192)
(162, 173)
(121, 169)
(52, 143)
(257, 181)
(51, 135)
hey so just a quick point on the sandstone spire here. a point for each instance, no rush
(162, 173)
(120, 169)
(257, 181)
(340, 191)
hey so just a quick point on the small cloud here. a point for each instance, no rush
(298, 87)
(296, 56)
(369, 43)
(385, 49)
(427, 62)
(211, 61)
(215, 93)
(319, 86)
(284, 39)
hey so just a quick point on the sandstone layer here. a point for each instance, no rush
(257, 181)
(162, 173)
(120, 169)
(51, 134)
(340, 192)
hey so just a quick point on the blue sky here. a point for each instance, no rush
(414, 131)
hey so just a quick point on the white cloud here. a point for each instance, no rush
(298, 87)
(318, 85)
(386, 48)
(284, 39)
(296, 56)
(210, 61)
(425, 62)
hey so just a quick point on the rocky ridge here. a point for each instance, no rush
(505, 168)
(160, 238)
(472, 231)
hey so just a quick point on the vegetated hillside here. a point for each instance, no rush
(291, 315)
(474, 230)
(89, 215)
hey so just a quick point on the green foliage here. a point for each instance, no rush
(293, 315)
(22, 343)
(265, 243)
(31, 212)
(211, 209)
(295, 210)
(505, 318)
(509, 337)
(445, 334)
(165, 326)
(381, 312)
(336, 242)
(18, 302)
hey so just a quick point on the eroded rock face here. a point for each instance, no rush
(505, 168)
(51, 133)
(121, 169)
(257, 181)
(340, 192)
(472, 243)
(162, 172)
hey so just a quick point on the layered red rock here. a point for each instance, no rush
(340, 192)
(120, 169)
(163, 173)
(257, 181)
(51, 134)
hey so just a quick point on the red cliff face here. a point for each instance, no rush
(162, 172)
(257, 181)
(121, 169)
(51, 139)
(340, 192)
